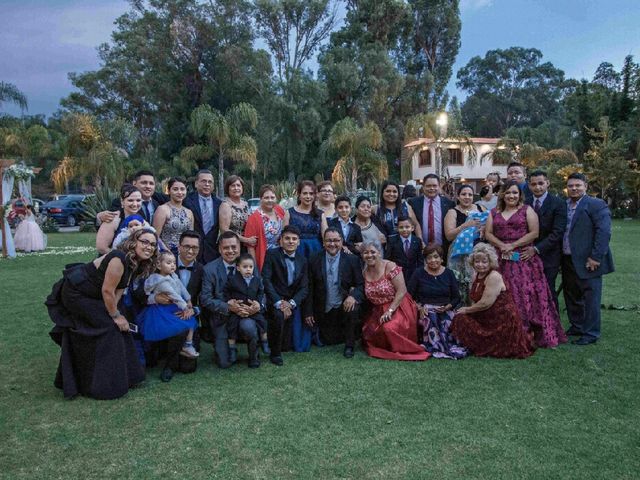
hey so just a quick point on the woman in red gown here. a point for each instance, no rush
(390, 331)
(491, 326)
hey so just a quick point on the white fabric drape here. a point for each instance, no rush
(24, 187)
(7, 189)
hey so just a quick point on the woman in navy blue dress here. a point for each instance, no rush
(391, 207)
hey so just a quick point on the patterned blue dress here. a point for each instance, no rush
(310, 231)
(389, 218)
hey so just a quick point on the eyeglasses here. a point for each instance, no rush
(332, 240)
(326, 191)
(148, 244)
(206, 182)
(190, 248)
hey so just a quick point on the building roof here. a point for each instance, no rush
(429, 141)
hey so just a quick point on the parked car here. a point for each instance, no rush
(19, 208)
(67, 211)
(253, 203)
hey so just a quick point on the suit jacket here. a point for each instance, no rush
(214, 278)
(355, 234)
(209, 247)
(417, 203)
(350, 281)
(552, 218)
(274, 273)
(589, 235)
(395, 252)
(236, 288)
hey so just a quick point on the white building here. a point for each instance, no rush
(459, 165)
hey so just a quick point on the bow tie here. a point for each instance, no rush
(289, 257)
(182, 267)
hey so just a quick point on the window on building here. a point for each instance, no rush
(424, 158)
(455, 156)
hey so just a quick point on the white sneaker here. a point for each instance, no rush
(189, 351)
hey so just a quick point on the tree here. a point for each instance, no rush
(357, 151)
(224, 135)
(509, 88)
(10, 93)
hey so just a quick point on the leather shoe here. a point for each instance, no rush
(584, 340)
(277, 360)
(348, 352)
(572, 332)
(166, 375)
(252, 346)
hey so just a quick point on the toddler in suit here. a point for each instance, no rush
(245, 287)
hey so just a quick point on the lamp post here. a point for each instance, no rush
(441, 122)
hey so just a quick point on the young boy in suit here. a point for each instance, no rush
(405, 249)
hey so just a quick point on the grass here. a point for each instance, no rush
(572, 412)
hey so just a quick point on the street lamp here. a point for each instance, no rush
(441, 122)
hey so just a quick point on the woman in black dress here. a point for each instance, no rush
(98, 357)
(435, 290)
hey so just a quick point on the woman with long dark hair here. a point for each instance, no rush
(173, 219)
(131, 202)
(391, 206)
(309, 219)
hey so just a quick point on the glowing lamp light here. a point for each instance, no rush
(442, 119)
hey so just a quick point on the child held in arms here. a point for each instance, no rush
(245, 287)
(159, 322)
(129, 225)
(405, 249)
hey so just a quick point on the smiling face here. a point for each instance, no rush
(147, 185)
(204, 184)
(235, 189)
(332, 242)
(370, 255)
(481, 263)
(146, 246)
(344, 210)
(512, 196)
(229, 249)
(390, 194)
(307, 196)
(465, 197)
(431, 187)
(289, 242)
(538, 185)
(433, 261)
(364, 209)
(326, 195)
(131, 205)
(576, 189)
(268, 201)
(178, 191)
(405, 227)
(188, 249)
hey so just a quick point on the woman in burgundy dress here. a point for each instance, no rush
(390, 331)
(491, 326)
(511, 226)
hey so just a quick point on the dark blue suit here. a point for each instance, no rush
(589, 235)
(408, 261)
(552, 218)
(209, 244)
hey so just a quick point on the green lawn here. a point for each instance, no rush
(572, 412)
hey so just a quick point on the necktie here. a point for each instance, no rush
(290, 262)
(407, 246)
(332, 267)
(207, 217)
(230, 271)
(537, 205)
(432, 223)
(145, 211)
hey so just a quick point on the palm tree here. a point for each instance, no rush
(225, 136)
(357, 150)
(10, 93)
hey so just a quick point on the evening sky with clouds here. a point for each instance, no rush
(41, 41)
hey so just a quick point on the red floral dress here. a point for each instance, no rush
(396, 339)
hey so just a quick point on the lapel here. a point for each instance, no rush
(323, 266)
(192, 279)
(196, 204)
(222, 271)
(581, 206)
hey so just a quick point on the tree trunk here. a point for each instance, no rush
(354, 179)
(220, 172)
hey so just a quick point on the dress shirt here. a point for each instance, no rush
(229, 267)
(147, 207)
(206, 208)
(437, 219)
(346, 227)
(571, 210)
(332, 264)
(184, 272)
(542, 198)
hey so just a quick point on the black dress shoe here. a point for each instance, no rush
(572, 332)
(166, 375)
(584, 340)
(252, 346)
(277, 360)
(348, 352)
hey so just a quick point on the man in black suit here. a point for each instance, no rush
(286, 285)
(552, 218)
(214, 278)
(405, 249)
(144, 181)
(350, 231)
(205, 206)
(518, 173)
(336, 291)
(430, 209)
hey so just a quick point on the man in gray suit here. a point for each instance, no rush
(586, 258)
(212, 299)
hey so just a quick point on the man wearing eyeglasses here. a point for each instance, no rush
(205, 207)
(336, 291)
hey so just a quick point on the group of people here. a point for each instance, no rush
(412, 278)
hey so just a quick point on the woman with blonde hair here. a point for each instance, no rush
(491, 326)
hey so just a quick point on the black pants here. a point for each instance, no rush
(582, 297)
(337, 326)
(279, 331)
(551, 273)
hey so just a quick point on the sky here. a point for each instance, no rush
(41, 41)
